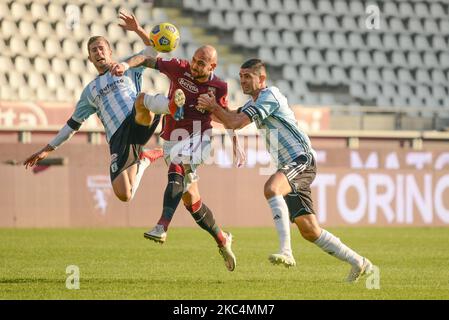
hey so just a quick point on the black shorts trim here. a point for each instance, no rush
(127, 143)
(300, 174)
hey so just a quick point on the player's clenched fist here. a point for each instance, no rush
(117, 69)
(207, 102)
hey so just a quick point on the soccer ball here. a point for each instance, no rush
(164, 37)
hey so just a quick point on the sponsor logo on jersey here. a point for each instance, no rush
(114, 157)
(111, 87)
(188, 85)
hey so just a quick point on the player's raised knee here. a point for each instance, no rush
(123, 196)
(270, 190)
(140, 101)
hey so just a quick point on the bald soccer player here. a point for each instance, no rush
(186, 142)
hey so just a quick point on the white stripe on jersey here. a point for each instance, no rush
(114, 98)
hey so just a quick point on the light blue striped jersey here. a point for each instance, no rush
(111, 98)
(275, 119)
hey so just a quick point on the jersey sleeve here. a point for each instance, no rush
(135, 74)
(170, 67)
(84, 108)
(264, 106)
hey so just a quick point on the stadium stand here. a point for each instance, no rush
(319, 52)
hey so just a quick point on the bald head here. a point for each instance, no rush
(208, 52)
(204, 62)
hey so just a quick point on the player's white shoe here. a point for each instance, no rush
(226, 252)
(176, 105)
(282, 258)
(357, 271)
(156, 234)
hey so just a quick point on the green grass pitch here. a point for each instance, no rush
(121, 264)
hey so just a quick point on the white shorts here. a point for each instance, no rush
(190, 152)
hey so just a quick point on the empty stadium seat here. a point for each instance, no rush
(373, 75)
(18, 11)
(8, 27)
(349, 58)
(256, 37)
(338, 75)
(314, 57)
(405, 76)
(289, 38)
(423, 77)
(357, 75)
(55, 12)
(306, 6)
(444, 59)
(388, 75)
(380, 58)
(298, 22)
(331, 23)
(259, 5)
(332, 57)
(422, 9)
(16, 79)
(281, 56)
(388, 90)
(17, 45)
(215, 18)
(339, 40)
(289, 5)
(282, 21)
(307, 73)
(241, 37)
(232, 20)
(34, 46)
(436, 10)
(6, 64)
(324, 40)
(42, 64)
(38, 10)
(298, 56)
(35, 80)
(248, 19)
(438, 76)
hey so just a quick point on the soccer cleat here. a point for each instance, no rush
(281, 258)
(176, 105)
(357, 271)
(226, 252)
(152, 154)
(157, 234)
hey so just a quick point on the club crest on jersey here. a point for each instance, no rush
(188, 75)
(188, 85)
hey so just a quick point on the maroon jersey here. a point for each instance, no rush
(178, 71)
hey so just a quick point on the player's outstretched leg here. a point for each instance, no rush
(172, 197)
(205, 219)
(126, 146)
(311, 231)
(160, 104)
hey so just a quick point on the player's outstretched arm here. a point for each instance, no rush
(231, 120)
(129, 22)
(66, 132)
(118, 69)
